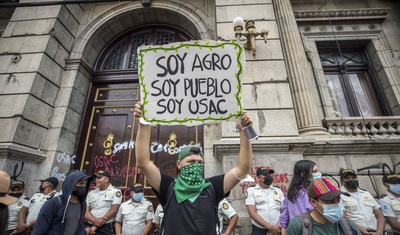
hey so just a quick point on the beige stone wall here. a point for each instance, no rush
(33, 51)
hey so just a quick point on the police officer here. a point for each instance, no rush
(135, 216)
(157, 219)
(30, 211)
(226, 210)
(102, 205)
(264, 202)
(361, 208)
(390, 202)
(17, 188)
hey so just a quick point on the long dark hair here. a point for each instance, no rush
(3, 218)
(298, 181)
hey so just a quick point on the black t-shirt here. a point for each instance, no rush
(72, 218)
(197, 218)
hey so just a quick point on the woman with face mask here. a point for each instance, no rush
(134, 216)
(64, 214)
(297, 202)
(361, 207)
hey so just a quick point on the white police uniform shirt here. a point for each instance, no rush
(100, 202)
(133, 216)
(390, 206)
(158, 215)
(13, 211)
(268, 203)
(360, 207)
(35, 204)
(224, 209)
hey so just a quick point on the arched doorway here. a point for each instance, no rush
(108, 135)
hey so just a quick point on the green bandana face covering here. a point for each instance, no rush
(190, 183)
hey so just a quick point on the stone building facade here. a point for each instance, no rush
(325, 86)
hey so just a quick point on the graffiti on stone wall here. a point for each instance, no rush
(154, 148)
(280, 180)
(157, 148)
(118, 147)
(112, 165)
(63, 164)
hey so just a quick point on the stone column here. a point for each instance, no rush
(300, 78)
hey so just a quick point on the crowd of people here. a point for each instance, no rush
(191, 204)
(313, 203)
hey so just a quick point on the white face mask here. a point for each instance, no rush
(316, 175)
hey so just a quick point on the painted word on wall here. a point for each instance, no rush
(64, 161)
(280, 180)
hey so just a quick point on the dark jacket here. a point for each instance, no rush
(51, 217)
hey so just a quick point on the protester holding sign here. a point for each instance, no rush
(190, 201)
(191, 82)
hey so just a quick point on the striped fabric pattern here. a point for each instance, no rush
(323, 186)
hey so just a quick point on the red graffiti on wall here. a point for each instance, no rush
(111, 165)
(104, 161)
(126, 192)
(280, 180)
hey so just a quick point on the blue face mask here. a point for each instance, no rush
(138, 197)
(332, 212)
(395, 188)
(316, 175)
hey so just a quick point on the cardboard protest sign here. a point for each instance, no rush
(191, 83)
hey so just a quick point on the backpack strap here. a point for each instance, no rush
(59, 200)
(170, 193)
(345, 226)
(211, 192)
(306, 223)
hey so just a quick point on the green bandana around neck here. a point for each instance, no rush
(190, 183)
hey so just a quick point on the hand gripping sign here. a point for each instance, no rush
(191, 83)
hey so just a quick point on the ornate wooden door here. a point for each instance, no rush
(108, 132)
(110, 137)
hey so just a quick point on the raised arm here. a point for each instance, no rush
(142, 151)
(242, 168)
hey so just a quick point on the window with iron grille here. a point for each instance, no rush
(122, 53)
(351, 82)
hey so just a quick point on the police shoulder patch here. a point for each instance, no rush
(118, 194)
(151, 208)
(225, 206)
(246, 195)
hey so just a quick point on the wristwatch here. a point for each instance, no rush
(28, 224)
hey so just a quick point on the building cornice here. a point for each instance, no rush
(370, 14)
